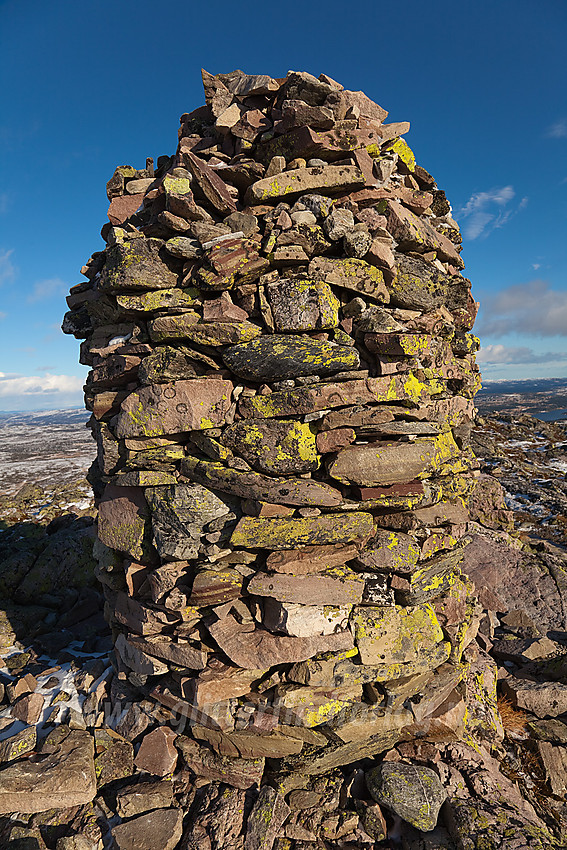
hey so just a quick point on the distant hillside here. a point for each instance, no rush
(545, 398)
(76, 416)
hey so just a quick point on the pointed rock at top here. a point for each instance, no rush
(217, 96)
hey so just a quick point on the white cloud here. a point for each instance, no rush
(558, 130)
(4, 202)
(498, 354)
(487, 211)
(47, 288)
(2, 315)
(40, 385)
(7, 268)
(533, 308)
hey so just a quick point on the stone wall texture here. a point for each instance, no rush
(282, 383)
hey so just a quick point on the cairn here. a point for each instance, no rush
(281, 386)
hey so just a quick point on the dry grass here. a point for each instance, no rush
(513, 719)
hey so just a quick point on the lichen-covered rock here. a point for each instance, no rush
(139, 264)
(284, 491)
(179, 514)
(325, 179)
(395, 635)
(413, 792)
(282, 386)
(270, 358)
(379, 464)
(123, 516)
(268, 533)
(276, 447)
(64, 777)
(353, 274)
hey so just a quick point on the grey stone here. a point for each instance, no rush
(179, 513)
(303, 305)
(139, 264)
(413, 792)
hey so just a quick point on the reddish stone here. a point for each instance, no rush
(256, 649)
(415, 234)
(157, 753)
(366, 164)
(365, 107)
(26, 685)
(115, 370)
(107, 403)
(123, 207)
(211, 185)
(311, 559)
(333, 441)
(136, 575)
(223, 310)
(28, 708)
(122, 517)
(174, 408)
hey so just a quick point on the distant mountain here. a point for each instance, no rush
(544, 398)
(524, 386)
(75, 416)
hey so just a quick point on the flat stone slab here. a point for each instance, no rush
(327, 179)
(255, 648)
(278, 357)
(139, 264)
(161, 828)
(395, 635)
(383, 463)
(274, 533)
(345, 587)
(253, 485)
(215, 334)
(353, 274)
(406, 389)
(273, 446)
(173, 408)
(544, 699)
(66, 777)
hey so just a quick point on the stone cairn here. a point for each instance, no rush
(282, 391)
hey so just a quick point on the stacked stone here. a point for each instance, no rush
(282, 392)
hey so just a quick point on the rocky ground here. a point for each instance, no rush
(103, 770)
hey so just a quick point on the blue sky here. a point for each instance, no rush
(90, 85)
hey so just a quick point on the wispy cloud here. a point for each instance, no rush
(40, 385)
(487, 211)
(499, 354)
(7, 268)
(533, 308)
(557, 130)
(4, 202)
(2, 315)
(47, 288)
